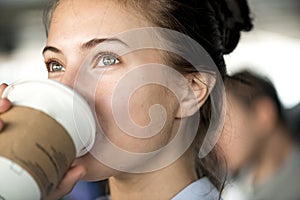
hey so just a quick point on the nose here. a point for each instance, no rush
(76, 79)
(69, 77)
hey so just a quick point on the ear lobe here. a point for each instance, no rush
(266, 115)
(200, 86)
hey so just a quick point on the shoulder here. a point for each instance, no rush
(285, 185)
(201, 189)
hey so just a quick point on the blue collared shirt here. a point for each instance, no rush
(201, 189)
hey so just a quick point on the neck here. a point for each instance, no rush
(275, 153)
(161, 184)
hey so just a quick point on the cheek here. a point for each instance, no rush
(151, 104)
(95, 169)
(103, 97)
(138, 116)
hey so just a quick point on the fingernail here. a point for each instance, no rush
(2, 86)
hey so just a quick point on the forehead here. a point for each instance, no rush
(93, 18)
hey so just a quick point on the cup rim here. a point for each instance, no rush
(67, 96)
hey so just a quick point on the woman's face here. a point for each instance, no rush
(77, 27)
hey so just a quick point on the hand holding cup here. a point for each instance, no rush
(48, 126)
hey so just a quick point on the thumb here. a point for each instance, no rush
(68, 182)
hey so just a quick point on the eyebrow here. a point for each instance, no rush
(53, 49)
(88, 45)
(94, 42)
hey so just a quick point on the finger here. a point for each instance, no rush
(2, 88)
(66, 185)
(5, 104)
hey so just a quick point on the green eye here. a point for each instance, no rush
(55, 67)
(108, 59)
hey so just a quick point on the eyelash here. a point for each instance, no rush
(51, 61)
(101, 55)
(96, 61)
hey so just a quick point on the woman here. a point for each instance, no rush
(260, 151)
(95, 47)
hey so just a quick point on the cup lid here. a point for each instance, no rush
(59, 102)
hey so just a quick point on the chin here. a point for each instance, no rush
(96, 171)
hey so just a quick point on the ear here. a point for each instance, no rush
(200, 86)
(266, 115)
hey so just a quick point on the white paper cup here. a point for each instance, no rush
(48, 126)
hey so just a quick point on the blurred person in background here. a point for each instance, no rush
(261, 153)
(293, 116)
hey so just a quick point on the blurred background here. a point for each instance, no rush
(21, 39)
(272, 48)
